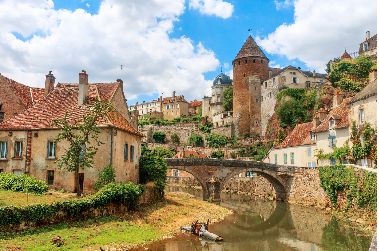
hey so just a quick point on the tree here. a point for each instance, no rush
(281, 137)
(175, 138)
(200, 110)
(159, 137)
(228, 96)
(80, 154)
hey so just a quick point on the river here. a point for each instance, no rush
(263, 225)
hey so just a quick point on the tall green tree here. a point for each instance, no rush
(228, 96)
(80, 153)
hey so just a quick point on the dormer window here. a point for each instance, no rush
(312, 135)
(332, 123)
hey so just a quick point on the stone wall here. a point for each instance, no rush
(257, 186)
(224, 130)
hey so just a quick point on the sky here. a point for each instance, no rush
(160, 46)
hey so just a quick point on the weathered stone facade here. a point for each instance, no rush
(224, 130)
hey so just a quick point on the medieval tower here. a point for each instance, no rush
(250, 68)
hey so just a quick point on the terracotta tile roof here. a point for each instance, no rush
(346, 55)
(27, 95)
(187, 153)
(340, 114)
(64, 98)
(106, 89)
(369, 90)
(250, 49)
(300, 135)
(195, 104)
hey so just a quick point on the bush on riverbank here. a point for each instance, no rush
(121, 193)
(360, 190)
(21, 183)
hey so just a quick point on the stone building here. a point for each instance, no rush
(174, 107)
(214, 105)
(16, 97)
(27, 139)
(289, 77)
(194, 107)
(363, 109)
(297, 149)
(153, 108)
(369, 46)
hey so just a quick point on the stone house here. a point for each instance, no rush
(369, 46)
(153, 108)
(363, 109)
(27, 139)
(16, 97)
(332, 129)
(222, 118)
(289, 77)
(194, 106)
(214, 104)
(174, 107)
(297, 149)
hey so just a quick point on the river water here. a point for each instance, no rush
(263, 225)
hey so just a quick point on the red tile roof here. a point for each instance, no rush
(300, 135)
(195, 103)
(65, 98)
(340, 114)
(188, 153)
(250, 49)
(27, 95)
(369, 90)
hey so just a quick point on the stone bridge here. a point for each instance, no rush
(214, 173)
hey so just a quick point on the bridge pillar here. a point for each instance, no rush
(212, 190)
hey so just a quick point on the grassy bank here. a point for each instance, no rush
(8, 198)
(147, 224)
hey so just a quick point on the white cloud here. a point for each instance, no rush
(218, 8)
(230, 73)
(321, 31)
(87, 5)
(273, 65)
(283, 5)
(68, 42)
(226, 66)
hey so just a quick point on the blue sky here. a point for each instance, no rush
(167, 45)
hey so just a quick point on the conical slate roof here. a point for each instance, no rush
(250, 49)
(222, 79)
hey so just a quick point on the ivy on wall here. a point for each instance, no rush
(369, 136)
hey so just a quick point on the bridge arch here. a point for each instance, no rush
(214, 173)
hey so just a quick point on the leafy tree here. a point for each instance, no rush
(228, 96)
(163, 152)
(78, 134)
(153, 169)
(107, 175)
(196, 140)
(175, 138)
(215, 140)
(281, 137)
(200, 110)
(159, 137)
(219, 154)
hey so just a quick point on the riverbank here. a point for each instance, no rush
(147, 224)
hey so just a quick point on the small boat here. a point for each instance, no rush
(201, 229)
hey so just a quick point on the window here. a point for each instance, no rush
(244, 75)
(239, 62)
(218, 99)
(168, 107)
(17, 172)
(276, 159)
(361, 116)
(332, 140)
(1, 170)
(365, 47)
(173, 106)
(332, 161)
(313, 164)
(142, 106)
(308, 83)
(50, 177)
(332, 123)
(312, 135)
(285, 158)
(18, 149)
(131, 153)
(254, 61)
(250, 174)
(309, 151)
(218, 106)
(261, 61)
(265, 84)
(295, 80)
(3, 149)
(273, 80)
(51, 150)
(126, 152)
(262, 98)
(177, 106)
(292, 158)
(245, 61)
(1, 116)
(309, 164)
(256, 100)
(83, 151)
(270, 94)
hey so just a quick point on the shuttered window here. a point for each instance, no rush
(126, 149)
(51, 150)
(18, 149)
(276, 159)
(285, 158)
(292, 158)
(3, 149)
(309, 151)
(332, 140)
(332, 161)
(131, 153)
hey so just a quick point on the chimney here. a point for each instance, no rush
(135, 119)
(173, 94)
(121, 83)
(337, 99)
(316, 121)
(322, 114)
(367, 35)
(49, 83)
(372, 75)
(83, 87)
(314, 73)
(270, 74)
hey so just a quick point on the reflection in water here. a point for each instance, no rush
(266, 225)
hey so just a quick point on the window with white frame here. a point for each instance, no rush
(332, 123)
(3, 149)
(218, 106)
(312, 135)
(51, 150)
(361, 116)
(177, 106)
(18, 149)
(168, 107)
(173, 106)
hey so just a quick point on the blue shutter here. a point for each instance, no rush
(332, 161)
(332, 140)
(309, 151)
(309, 164)
(55, 150)
(313, 164)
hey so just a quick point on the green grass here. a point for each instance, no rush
(81, 235)
(8, 198)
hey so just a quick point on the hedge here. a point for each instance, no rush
(21, 183)
(122, 193)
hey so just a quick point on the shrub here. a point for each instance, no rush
(246, 135)
(205, 129)
(121, 193)
(218, 154)
(159, 137)
(21, 183)
(107, 175)
(175, 138)
(153, 169)
(216, 141)
(163, 152)
(196, 140)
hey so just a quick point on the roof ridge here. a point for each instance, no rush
(7, 83)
